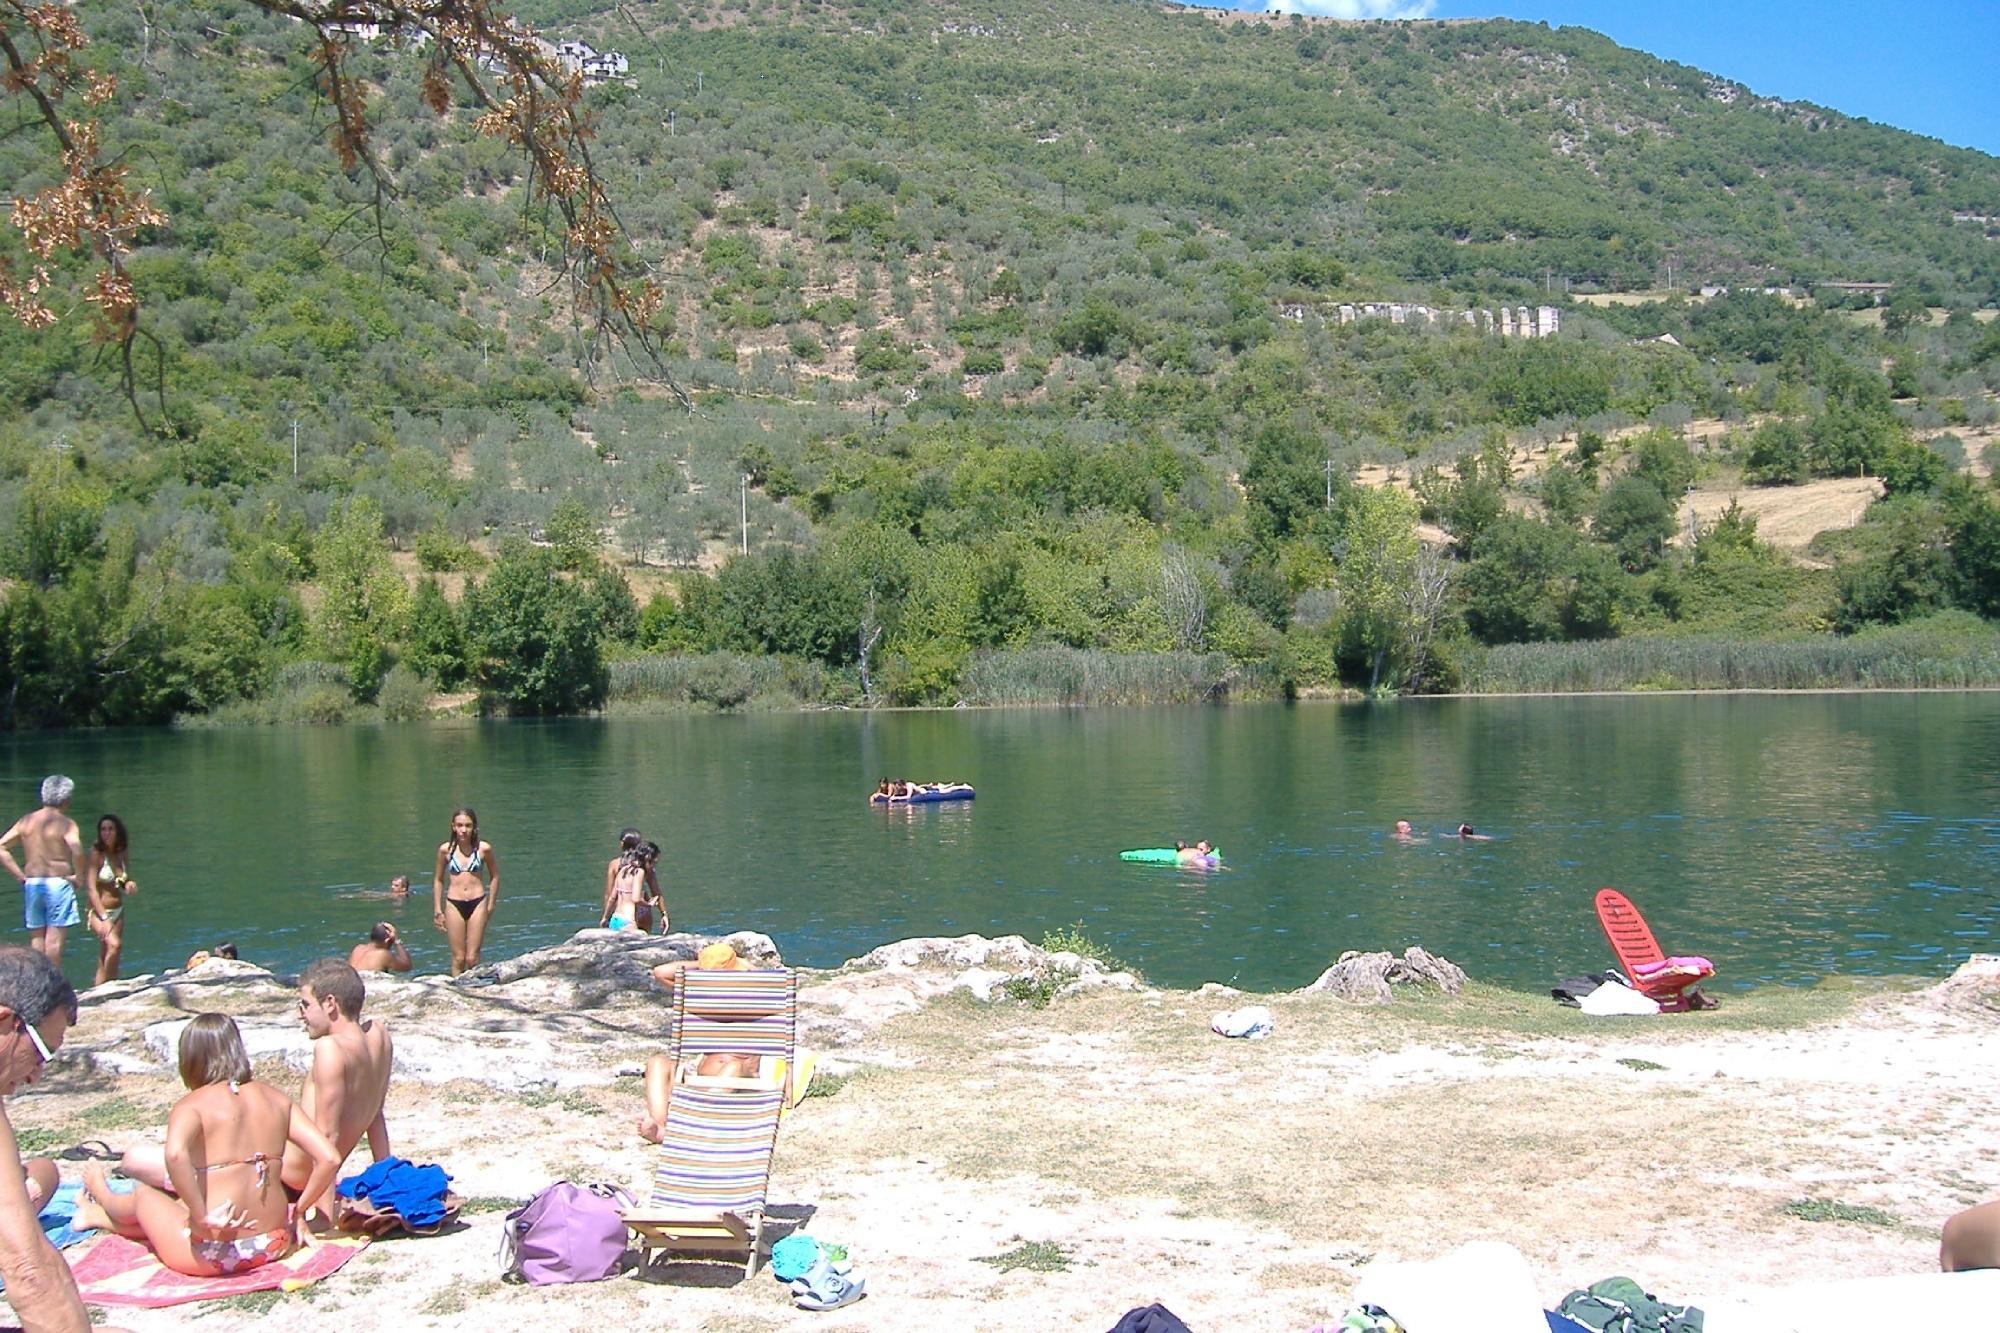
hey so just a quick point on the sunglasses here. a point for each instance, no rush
(41, 1047)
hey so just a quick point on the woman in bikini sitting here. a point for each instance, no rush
(652, 907)
(625, 884)
(467, 880)
(107, 881)
(225, 1144)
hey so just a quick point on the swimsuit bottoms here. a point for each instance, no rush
(466, 906)
(243, 1253)
(620, 923)
(111, 914)
(51, 902)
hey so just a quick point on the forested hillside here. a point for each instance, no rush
(1012, 338)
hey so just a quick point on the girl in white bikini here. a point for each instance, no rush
(467, 880)
(107, 880)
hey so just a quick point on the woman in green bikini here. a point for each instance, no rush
(107, 880)
(467, 881)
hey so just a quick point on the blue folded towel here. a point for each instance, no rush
(416, 1193)
(359, 1187)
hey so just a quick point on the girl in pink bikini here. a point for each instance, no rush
(225, 1143)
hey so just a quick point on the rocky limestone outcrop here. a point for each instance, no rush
(902, 977)
(603, 969)
(1368, 977)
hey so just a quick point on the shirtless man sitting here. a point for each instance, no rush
(345, 1091)
(382, 951)
(52, 852)
(349, 1084)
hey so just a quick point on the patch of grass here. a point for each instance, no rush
(1037, 989)
(1037, 1256)
(1071, 939)
(1633, 1062)
(490, 1203)
(38, 1142)
(446, 1301)
(1827, 1210)
(826, 1085)
(576, 1103)
(118, 1113)
(250, 1303)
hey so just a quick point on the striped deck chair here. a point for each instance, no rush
(714, 1167)
(723, 1011)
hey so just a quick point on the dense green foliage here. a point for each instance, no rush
(1017, 369)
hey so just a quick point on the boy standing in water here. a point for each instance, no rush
(53, 851)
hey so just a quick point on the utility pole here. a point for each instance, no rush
(1329, 485)
(295, 447)
(743, 501)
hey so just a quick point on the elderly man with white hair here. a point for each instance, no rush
(52, 852)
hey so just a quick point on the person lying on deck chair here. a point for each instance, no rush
(662, 1070)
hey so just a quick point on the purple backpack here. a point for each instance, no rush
(567, 1233)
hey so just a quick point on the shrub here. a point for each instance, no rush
(1071, 939)
(439, 552)
(984, 361)
(404, 697)
(321, 705)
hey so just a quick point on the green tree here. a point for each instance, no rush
(55, 525)
(1909, 577)
(1635, 520)
(1664, 459)
(1779, 455)
(574, 534)
(1378, 557)
(362, 598)
(537, 647)
(1532, 582)
(434, 643)
(1909, 468)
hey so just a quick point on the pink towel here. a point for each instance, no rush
(112, 1270)
(1699, 967)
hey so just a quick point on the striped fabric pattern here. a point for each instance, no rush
(736, 1012)
(716, 1153)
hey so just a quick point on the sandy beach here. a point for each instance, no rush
(995, 1165)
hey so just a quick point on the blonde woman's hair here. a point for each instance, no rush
(212, 1052)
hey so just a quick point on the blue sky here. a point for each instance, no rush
(1930, 68)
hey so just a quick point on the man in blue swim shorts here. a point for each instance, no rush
(50, 854)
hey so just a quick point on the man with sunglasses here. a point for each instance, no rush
(36, 1008)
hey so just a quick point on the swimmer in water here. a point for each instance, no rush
(1469, 834)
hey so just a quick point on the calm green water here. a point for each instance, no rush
(1787, 838)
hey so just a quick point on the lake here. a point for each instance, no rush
(1789, 838)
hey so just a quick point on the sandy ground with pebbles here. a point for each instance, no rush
(1001, 1167)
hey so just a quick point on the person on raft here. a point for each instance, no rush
(1200, 852)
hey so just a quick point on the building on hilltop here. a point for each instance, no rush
(1520, 322)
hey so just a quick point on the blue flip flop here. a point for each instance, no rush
(835, 1292)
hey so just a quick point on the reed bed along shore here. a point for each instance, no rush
(1892, 659)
